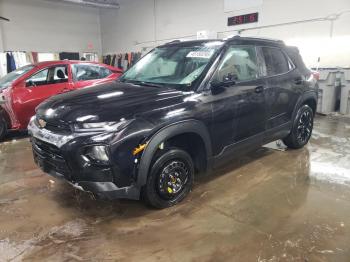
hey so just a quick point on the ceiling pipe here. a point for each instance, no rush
(4, 19)
(331, 18)
(93, 3)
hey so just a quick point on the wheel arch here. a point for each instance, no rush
(184, 127)
(310, 99)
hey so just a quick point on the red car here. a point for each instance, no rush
(22, 90)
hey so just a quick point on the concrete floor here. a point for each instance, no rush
(269, 205)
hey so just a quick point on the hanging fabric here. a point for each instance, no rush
(135, 57)
(20, 59)
(125, 61)
(129, 59)
(11, 64)
(120, 61)
(29, 58)
(108, 60)
(35, 57)
(113, 60)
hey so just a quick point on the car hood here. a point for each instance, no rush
(109, 102)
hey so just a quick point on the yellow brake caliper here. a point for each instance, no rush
(173, 180)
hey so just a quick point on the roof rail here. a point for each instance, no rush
(231, 37)
(174, 41)
(257, 38)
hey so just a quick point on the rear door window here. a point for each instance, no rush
(275, 61)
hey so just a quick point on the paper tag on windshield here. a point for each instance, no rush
(200, 54)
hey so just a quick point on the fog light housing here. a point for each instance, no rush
(98, 153)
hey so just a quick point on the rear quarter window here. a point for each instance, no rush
(84, 72)
(294, 54)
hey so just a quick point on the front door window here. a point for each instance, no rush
(239, 64)
(48, 76)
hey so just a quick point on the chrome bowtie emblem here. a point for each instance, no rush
(42, 123)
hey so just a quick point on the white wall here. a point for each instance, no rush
(1, 33)
(121, 28)
(137, 22)
(1, 37)
(44, 26)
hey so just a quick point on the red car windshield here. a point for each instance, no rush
(9, 78)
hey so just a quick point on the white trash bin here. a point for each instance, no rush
(327, 92)
(345, 92)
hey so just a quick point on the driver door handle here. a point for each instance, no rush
(259, 89)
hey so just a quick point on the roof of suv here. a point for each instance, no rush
(236, 38)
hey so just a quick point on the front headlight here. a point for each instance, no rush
(98, 153)
(100, 126)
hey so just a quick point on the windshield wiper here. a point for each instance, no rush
(142, 83)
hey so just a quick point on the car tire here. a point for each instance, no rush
(3, 128)
(170, 178)
(301, 128)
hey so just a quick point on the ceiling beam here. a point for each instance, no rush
(93, 3)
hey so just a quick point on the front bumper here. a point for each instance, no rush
(50, 155)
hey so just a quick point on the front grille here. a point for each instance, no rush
(50, 157)
(56, 127)
(47, 149)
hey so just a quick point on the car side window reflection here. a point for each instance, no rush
(83, 72)
(239, 64)
(38, 79)
(276, 61)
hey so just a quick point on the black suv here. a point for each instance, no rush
(183, 109)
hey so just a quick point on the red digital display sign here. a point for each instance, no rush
(243, 19)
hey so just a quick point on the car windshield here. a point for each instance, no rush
(14, 75)
(174, 65)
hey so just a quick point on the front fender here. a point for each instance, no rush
(165, 133)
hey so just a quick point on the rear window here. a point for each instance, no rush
(276, 61)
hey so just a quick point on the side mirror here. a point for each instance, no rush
(228, 81)
(30, 83)
(225, 83)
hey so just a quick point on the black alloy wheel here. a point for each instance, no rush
(301, 128)
(304, 127)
